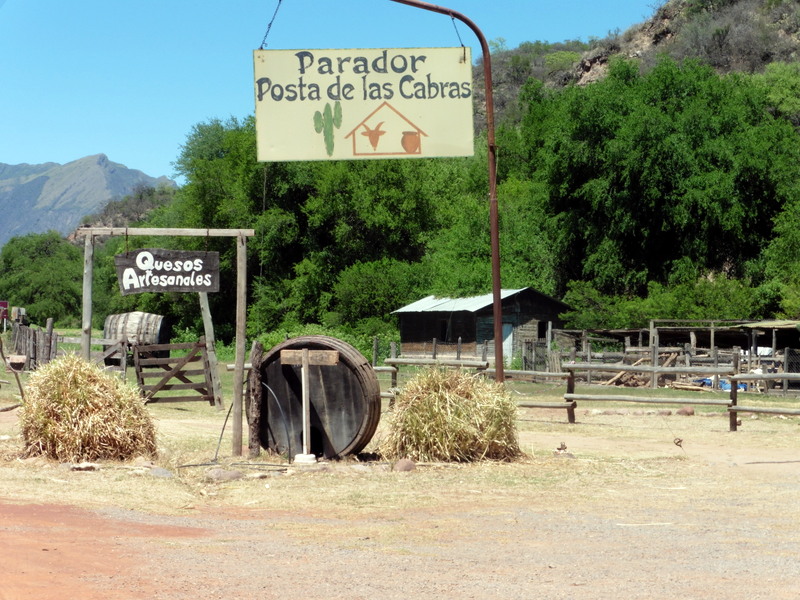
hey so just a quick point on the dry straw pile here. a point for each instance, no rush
(443, 415)
(75, 411)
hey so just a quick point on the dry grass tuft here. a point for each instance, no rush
(75, 411)
(450, 415)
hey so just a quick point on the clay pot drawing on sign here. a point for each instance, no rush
(411, 142)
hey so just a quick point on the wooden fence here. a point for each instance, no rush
(158, 372)
(731, 404)
(32, 346)
(571, 372)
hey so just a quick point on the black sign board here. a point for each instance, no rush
(158, 270)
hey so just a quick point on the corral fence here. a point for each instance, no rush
(32, 346)
(574, 372)
(537, 355)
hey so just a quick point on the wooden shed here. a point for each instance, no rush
(529, 318)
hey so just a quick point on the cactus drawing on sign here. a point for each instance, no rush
(326, 121)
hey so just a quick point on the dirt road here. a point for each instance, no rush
(629, 515)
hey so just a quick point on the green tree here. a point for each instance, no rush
(42, 272)
(645, 171)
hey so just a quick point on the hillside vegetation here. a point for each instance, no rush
(668, 187)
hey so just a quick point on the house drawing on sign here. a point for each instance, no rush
(529, 318)
(386, 132)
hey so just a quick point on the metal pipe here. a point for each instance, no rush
(497, 301)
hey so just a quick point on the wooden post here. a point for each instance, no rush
(48, 341)
(458, 349)
(305, 359)
(654, 357)
(589, 361)
(571, 390)
(715, 380)
(304, 378)
(732, 415)
(211, 350)
(86, 321)
(785, 369)
(254, 400)
(393, 350)
(434, 348)
(241, 324)
(375, 351)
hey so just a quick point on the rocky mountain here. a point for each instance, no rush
(38, 198)
(728, 35)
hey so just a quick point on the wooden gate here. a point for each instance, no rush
(158, 372)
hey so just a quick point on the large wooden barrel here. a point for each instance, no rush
(137, 328)
(344, 399)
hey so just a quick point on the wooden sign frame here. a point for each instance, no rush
(241, 235)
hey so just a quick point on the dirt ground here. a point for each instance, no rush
(624, 513)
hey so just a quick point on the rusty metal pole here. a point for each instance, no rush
(497, 301)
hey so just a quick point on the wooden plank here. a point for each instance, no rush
(516, 373)
(467, 364)
(770, 411)
(200, 386)
(315, 357)
(163, 399)
(185, 373)
(637, 399)
(160, 362)
(63, 339)
(567, 405)
(766, 377)
(148, 348)
(698, 370)
(163, 231)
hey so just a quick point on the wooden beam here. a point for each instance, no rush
(86, 320)
(315, 357)
(643, 400)
(211, 351)
(163, 232)
(241, 331)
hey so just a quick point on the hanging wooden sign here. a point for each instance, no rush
(159, 270)
(363, 103)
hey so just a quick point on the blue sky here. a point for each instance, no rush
(130, 79)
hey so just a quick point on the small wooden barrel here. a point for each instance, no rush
(137, 328)
(344, 399)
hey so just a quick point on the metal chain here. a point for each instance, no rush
(275, 14)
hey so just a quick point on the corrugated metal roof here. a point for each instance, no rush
(472, 304)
